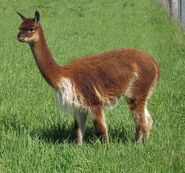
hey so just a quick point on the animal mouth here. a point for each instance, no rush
(21, 39)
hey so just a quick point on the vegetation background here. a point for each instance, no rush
(34, 134)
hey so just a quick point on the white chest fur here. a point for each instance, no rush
(69, 99)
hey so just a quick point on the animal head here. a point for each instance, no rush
(29, 28)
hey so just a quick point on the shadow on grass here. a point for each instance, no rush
(61, 133)
(58, 133)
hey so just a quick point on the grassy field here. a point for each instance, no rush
(34, 134)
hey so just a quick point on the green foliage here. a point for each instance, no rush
(34, 134)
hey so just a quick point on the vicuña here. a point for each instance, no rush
(92, 83)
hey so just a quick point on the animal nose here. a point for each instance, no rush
(19, 37)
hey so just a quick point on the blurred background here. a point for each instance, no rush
(176, 9)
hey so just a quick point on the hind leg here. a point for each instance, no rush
(141, 116)
(148, 120)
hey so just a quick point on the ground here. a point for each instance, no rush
(35, 136)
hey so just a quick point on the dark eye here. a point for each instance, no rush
(31, 30)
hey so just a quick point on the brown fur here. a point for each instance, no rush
(100, 79)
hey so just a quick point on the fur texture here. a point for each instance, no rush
(94, 82)
(68, 98)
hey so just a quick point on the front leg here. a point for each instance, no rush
(80, 118)
(100, 123)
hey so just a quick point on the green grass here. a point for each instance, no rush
(34, 134)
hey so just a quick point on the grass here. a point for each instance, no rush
(34, 134)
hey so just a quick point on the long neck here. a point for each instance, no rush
(49, 69)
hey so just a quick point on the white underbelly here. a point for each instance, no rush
(71, 100)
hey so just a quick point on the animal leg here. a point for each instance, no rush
(142, 118)
(100, 123)
(80, 118)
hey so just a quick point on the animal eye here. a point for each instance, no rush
(30, 30)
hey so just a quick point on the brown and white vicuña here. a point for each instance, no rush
(92, 83)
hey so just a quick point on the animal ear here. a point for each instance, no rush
(37, 16)
(21, 16)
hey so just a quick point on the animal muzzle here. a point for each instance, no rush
(20, 38)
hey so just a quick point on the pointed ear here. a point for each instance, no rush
(37, 16)
(21, 16)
